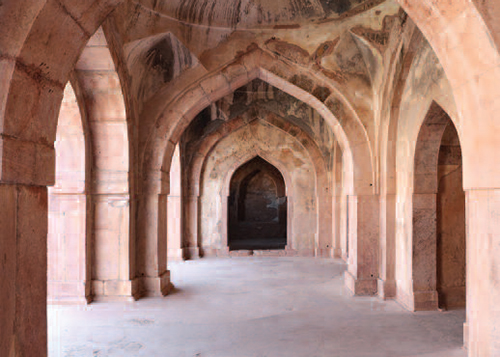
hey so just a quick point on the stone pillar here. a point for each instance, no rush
(113, 246)
(338, 201)
(191, 212)
(362, 273)
(112, 277)
(110, 189)
(112, 243)
(483, 271)
(337, 226)
(23, 270)
(153, 276)
(425, 296)
(387, 281)
(325, 227)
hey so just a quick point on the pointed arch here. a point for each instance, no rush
(334, 108)
(216, 182)
(323, 191)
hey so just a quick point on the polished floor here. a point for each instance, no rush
(254, 306)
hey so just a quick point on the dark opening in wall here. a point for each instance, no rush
(257, 207)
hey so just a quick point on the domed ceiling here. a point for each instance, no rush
(257, 13)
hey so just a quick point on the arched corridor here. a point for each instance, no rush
(147, 148)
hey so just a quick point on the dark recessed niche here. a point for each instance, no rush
(257, 207)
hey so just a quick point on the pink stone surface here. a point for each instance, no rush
(348, 102)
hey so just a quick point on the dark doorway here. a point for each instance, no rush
(257, 207)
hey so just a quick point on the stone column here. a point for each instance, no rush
(325, 226)
(23, 270)
(482, 330)
(386, 282)
(113, 245)
(362, 273)
(191, 211)
(112, 276)
(336, 226)
(110, 188)
(425, 296)
(151, 254)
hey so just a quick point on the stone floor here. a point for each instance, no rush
(254, 306)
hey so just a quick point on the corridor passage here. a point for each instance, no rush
(254, 307)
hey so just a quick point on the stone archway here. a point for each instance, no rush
(438, 247)
(195, 176)
(257, 207)
(68, 273)
(270, 143)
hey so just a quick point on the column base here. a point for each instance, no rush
(452, 297)
(191, 253)
(337, 253)
(115, 290)
(425, 300)
(324, 252)
(386, 289)
(360, 287)
(155, 286)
